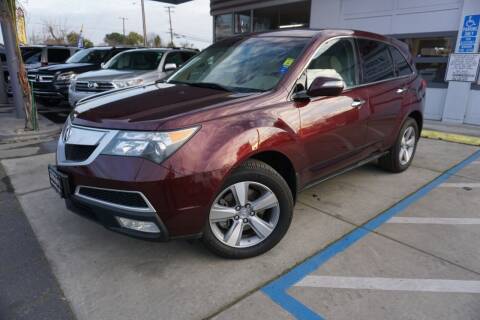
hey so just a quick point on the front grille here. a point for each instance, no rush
(76, 152)
(93, 86)
(40, 78)
(123, 198)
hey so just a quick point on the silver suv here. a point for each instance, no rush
(129, 68)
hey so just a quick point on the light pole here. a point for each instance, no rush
(144, 24)
(169, 8)
(123, 20)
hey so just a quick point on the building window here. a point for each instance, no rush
(223, 26)
(430, 55)
(290, 15)
(243, 21)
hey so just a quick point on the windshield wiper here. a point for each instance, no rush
(209, 85)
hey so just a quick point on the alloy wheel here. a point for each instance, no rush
(407, 145)
(244, 214)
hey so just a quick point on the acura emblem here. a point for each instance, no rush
(67, 132)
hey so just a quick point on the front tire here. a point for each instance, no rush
(401, 154)
(250, 214)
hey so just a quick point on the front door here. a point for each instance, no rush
(333, 129)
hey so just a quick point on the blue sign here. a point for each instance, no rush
(469, 34)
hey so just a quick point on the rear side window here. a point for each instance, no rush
(58, 55)
(376, 60)
(402, 68)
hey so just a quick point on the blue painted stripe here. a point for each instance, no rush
(277, 289)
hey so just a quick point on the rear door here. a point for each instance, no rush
(385, 89)
(333, 129)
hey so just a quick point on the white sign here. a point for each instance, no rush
(463, 67)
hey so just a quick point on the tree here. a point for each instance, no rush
(134, 39)
(54, 33)
(114, 39)
(72, 39)
(154, 40)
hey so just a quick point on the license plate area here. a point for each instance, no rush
(59, 181)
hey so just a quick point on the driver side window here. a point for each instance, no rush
(335, 58)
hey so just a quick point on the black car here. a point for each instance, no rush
(50, 83)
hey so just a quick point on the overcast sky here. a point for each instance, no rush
(99, 17)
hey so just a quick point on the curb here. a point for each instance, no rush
(451, 137)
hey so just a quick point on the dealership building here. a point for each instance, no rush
(434, 29)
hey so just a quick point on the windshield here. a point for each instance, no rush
(135, 60)
(96, 56)
(243, 64)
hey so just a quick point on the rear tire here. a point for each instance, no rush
(239, 229)
(401, 154)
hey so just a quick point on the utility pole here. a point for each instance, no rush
(169, 8)
(18, 75)
(123, 20)
(144, 24)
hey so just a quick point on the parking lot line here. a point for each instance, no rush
(432, 220)
(460, 185)
(391, 284)
(277, 289)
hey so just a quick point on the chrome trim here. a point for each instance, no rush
(114, 205)
(102, 142)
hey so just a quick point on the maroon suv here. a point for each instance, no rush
(220, 150)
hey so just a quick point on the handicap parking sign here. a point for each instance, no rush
(469, 34)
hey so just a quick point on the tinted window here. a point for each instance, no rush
(135, 60)
(58, 55)
(402, 68)
(376, 61)
(187, 55)
(31, 55)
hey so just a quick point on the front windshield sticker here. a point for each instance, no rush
(286, 64)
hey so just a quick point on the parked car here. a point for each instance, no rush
(37, 56)
(129, 68)
(221, 149)
(50, 84)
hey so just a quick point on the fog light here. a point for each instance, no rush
(143, 226)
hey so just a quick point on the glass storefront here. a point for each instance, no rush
(290, 15)
(431, 57)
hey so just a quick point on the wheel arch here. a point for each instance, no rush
(418, 117)
(283, 165)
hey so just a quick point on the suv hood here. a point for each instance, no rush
(111, 74)
(65, 67)
(147, 107)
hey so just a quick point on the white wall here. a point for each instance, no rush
(387, 16)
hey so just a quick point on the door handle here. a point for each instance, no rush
(401, 90)
(357, 103)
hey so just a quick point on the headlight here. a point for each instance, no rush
(127, 83)
(66, 76)
(155, 146)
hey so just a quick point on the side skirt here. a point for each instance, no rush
(347, 169)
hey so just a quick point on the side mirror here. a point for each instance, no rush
(102, 65)
(326, 86)
(170, 67)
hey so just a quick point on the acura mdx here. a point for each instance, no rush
(221, 148)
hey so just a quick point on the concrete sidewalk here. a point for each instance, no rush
(12, 129)
(462, 129)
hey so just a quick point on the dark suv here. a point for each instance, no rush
(50, 83)
(220, 150)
